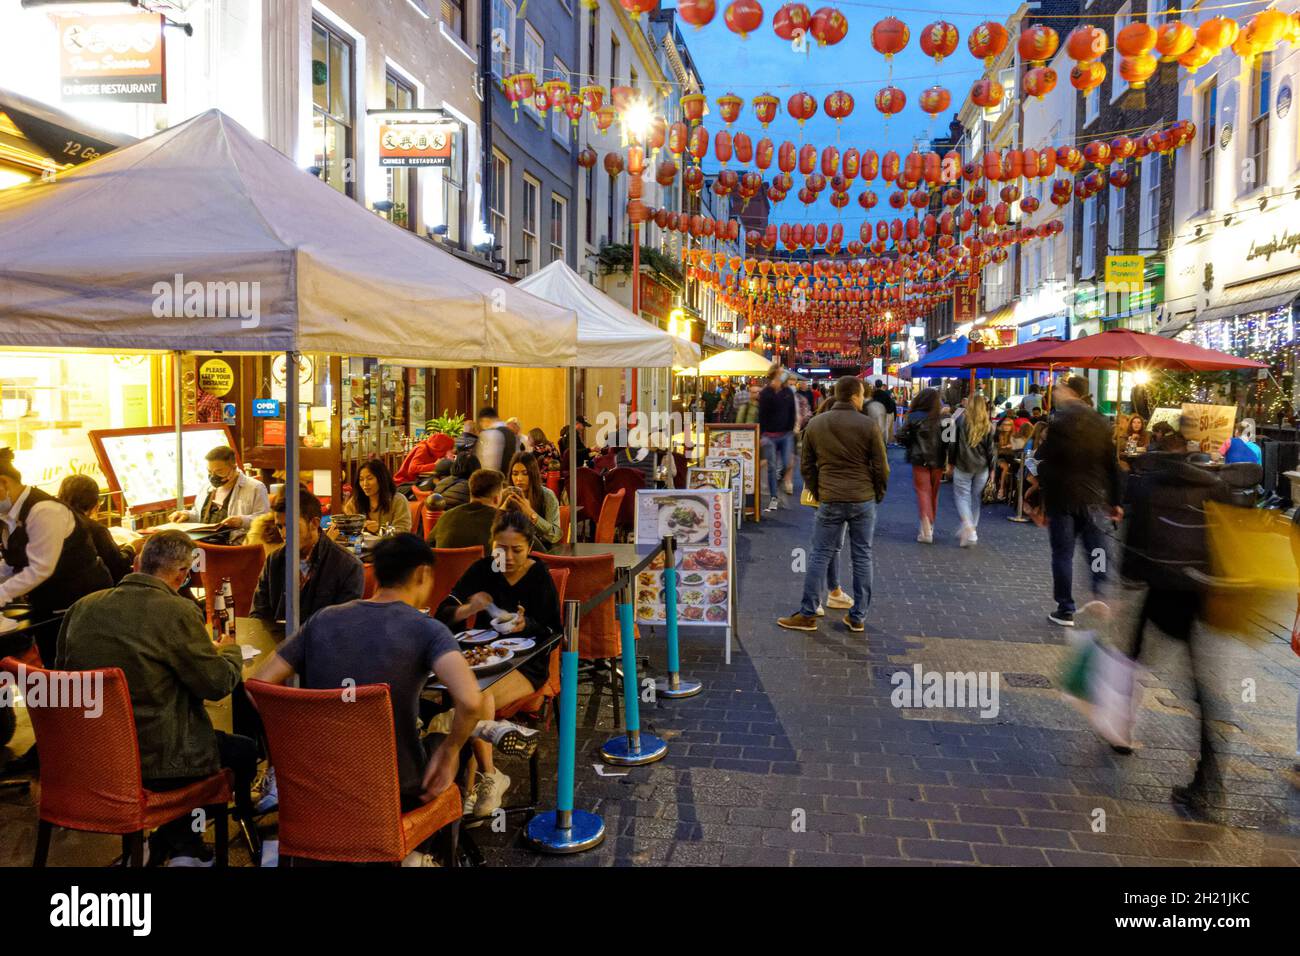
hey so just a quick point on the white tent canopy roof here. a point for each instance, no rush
(732, 362)
(278, 260)
(609, 335)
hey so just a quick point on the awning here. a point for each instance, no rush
(1260, 295)
(1004, 316)
(33, 134)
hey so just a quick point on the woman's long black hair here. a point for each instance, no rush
(387, 488)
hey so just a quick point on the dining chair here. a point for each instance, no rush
(599, 641)
(90, 771)
(449, 564)
(566, 531)
(417, 509)
(607, 523)
(335, 765)
(242, 563)
(630, 480)
(370, 585)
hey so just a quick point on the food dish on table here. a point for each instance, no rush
(485, 657)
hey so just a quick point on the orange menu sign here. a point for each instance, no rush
(415, 144)
(121, 58)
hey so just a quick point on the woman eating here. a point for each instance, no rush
(538, 503)
(522, 587)
(1006, 448)
(376, 496)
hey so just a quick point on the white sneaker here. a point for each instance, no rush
(772, 504)
(788, 485)
(268, 795)
(839, 599)
(508, 737)
(966, 536)
(470, 799)
(416, 858)
(489, 792)
(821, 611)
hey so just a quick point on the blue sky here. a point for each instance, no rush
(765, 63)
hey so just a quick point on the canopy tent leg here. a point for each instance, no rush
(291, 500)
(177, 398)
(573, 455)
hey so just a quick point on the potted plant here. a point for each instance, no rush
(448, 423)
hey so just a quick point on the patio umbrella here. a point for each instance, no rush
(1024, 356)
(1120, 347)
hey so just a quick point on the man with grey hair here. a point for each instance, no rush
(159, 640)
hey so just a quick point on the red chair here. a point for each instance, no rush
(591, 491)
(631, 481)
(565, 528)
(607, 523)
(449, 564)
(90, 772)
(417, 509)
(680, 464)
(429, 519)
(370, 586)
(336, 771)
(598, 635)
(419, 494)
(241, 563)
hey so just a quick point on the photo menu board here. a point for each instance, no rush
(701, 522)
(141, 462)
(741, 441)
(736, 468)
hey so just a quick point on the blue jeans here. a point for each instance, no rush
(833, 565)
(832, 518)
(780, 455)
(967, 490)
(1063, 530)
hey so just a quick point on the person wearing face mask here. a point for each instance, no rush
(327, 574)
(234, 499)
(47, 557)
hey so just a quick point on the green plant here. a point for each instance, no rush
(448, 423)
(617, 257)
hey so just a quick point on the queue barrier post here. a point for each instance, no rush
(566, 830)
(673, 687)
(633, 748)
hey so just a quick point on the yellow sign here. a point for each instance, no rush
(1125, 273)
(1210, 425)
(216, 377)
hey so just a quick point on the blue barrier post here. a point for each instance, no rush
(673, 687)
(566, 830)
(634, 748)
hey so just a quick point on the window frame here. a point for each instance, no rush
(1150, 182)
(1118, 85)
(395, 83)
(326, 115)
(1209, 127)
(506, 65)
(1259, 93)
(1088, 252)
(1115, 208)
(560, 123)
(460, 6)
(537, 68)
(499, 203)
(562, 204)
(530, 239)
(453, 178)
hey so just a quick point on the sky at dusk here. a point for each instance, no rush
(765, 63)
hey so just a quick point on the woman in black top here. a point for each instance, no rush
(81, 494)
(522, 586)
(928, 456)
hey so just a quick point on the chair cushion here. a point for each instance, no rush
(162, 806)
(423, 822)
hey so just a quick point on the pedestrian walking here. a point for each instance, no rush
(928, 456)
(1078, 471)
(886, 400)
(845, 468)
(777, 419)
(972, 456)
(1165, 538)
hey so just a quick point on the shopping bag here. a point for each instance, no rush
(806, 498)
(1074, 676)
(1114, 694)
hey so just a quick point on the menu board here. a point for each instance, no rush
(741, 441)
(715, 478)
(1210, 425)
(701, 522)
(141, 462)
(736, 468)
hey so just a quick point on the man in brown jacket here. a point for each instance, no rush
(845, 468)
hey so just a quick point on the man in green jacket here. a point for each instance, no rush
(159, 640)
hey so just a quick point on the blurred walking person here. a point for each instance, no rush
(928, 456)
(972, 456)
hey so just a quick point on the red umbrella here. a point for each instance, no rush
(1119, 348)
(1025, 355)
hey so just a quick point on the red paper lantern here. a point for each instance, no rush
(638, 7)
(807, 158)
(744, 147)
(1038, 44)
(890, 100)
(1173, 39)
(613, 164)
(801, 106)
(870, 167)
(743, 17)
(1195, 58)
(889, 36)
(1217, 33)
(1040, 81)
(986, 93)
(666, 173)
(587, 158)
(763, 153)
(593, 97)
(935, 100)
(838, 105)
(1135, 39)
(1087, 76)
(765, 107)
(722, 146)
(987, 41)
(1086, 43)
(698, 144)
(1136, 70)
(791, 21)
(729, 107)
(939, 39)
(829, 26)
(697, 13)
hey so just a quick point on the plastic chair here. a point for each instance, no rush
(242, 563)
(449, 565)
(90, 771)
(631, 481)
(598, 635)
(336, 771)
(591, 490)
(565, 529)
(370, 586)
(416, 505)
(607, 523)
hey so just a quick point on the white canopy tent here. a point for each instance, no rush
(205, 238)
(732, 362)
(609, 336)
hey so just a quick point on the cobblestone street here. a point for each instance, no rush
(800, 729)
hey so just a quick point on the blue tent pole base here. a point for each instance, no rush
(634, 749)
(544, 834)
(670, 689)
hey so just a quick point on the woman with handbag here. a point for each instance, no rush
(972, 456)
(928, 455)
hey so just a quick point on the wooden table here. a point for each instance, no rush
(249, 632)
(625, 555)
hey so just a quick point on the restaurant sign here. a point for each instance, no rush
(1287, 242)
(1125, 273)
(119, 58)
(416, 143)
(965, 302)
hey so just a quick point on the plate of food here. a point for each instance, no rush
(649, 612)
(486, 657)
(692, 613)
(684, 518)
(516, 645)
(480, 635)
(693, 579)
(718, 596)
(704, 559)
(647, 595)
(691, 596)
(718, 612)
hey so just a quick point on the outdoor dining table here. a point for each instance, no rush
(625, 555)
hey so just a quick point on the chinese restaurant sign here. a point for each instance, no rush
(119, 58)
(415, 144)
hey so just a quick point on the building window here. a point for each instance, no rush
(609, 225)
(528, 254)
(559, 118)
(1256, 171)
(332, 107)
(1156, 10)
(1118, 85)
(1091, 105)
(503, 38)
(453, 192)
(1209, 141)
(453, 15)
(613, 61)
(499, 204)
(400, 95)
(591, 206)
(559, 227)
(1115, 221)
(1149, 211)
(534, 63)
(593, 49)
(1088, 254)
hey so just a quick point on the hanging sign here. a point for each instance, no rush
(119, 58)
(216, 377)
(1125, 273)
(416, 143)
